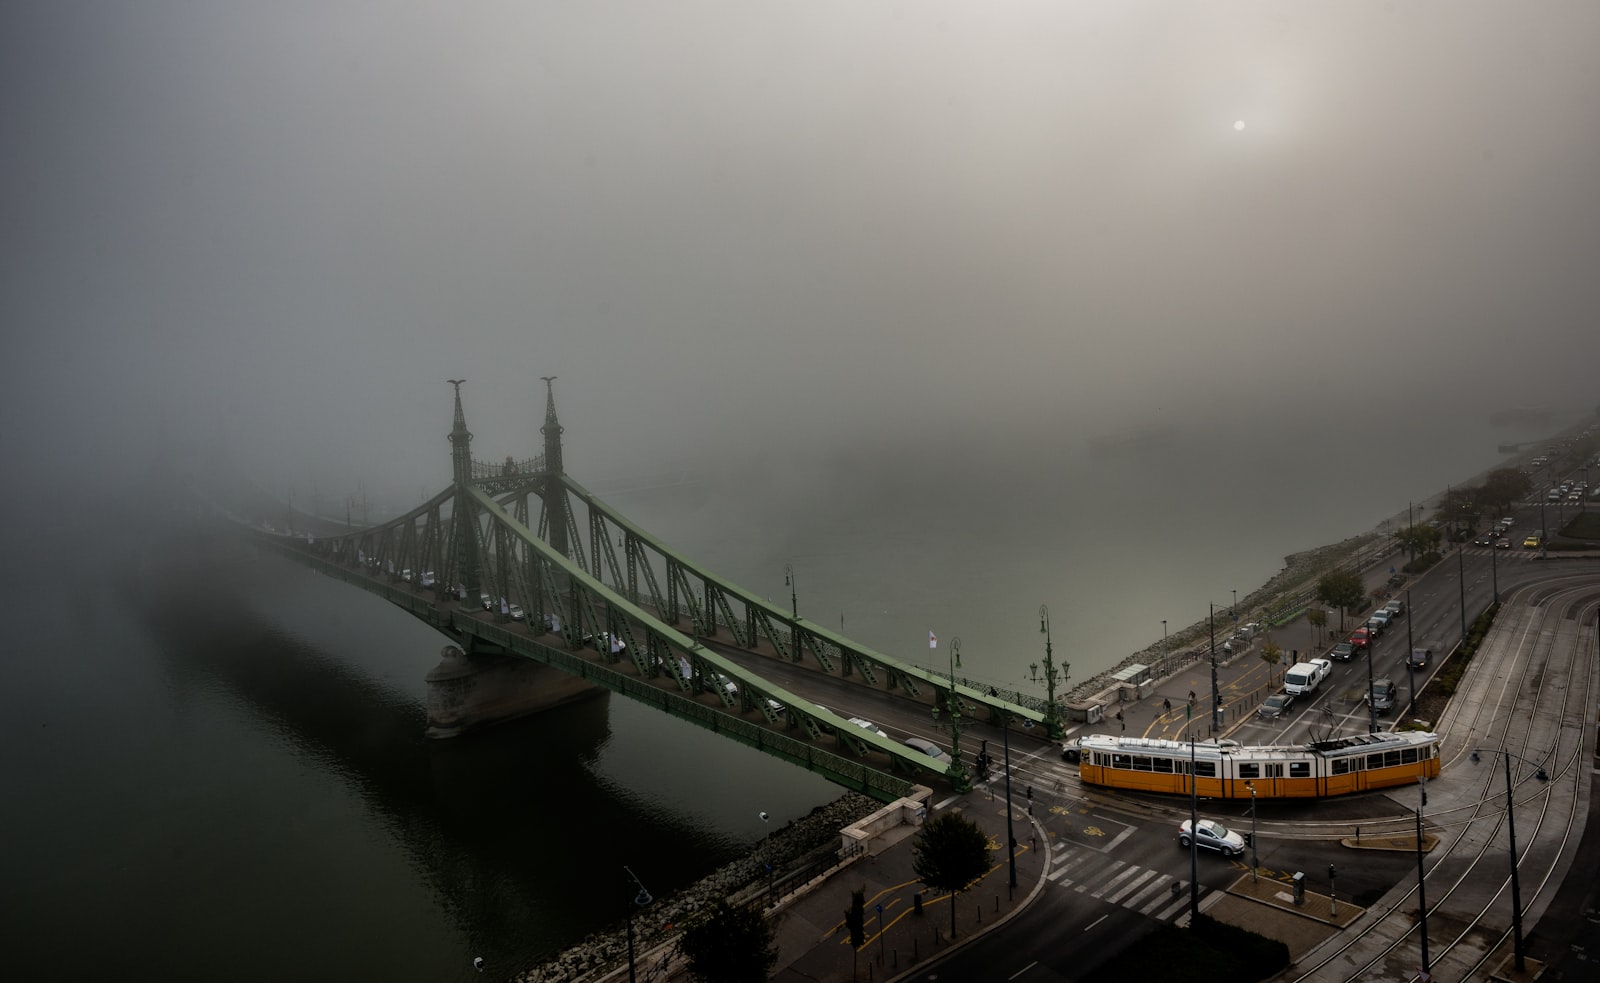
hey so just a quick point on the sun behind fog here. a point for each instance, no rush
(1238, 124)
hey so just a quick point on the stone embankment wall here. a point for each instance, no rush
(661, 921)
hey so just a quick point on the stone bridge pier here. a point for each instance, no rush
(469, 690)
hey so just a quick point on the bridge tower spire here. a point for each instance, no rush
(555, 494)
(465, 515)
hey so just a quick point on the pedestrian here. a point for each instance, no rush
(1166, 705)
(1191, 697)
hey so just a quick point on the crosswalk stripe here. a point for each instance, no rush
(1111, 884)
(1155, 900)
(1083, 887)
(1134, 886)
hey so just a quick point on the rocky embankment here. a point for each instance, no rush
(790, 846)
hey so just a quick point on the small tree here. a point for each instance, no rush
(950, 853)
(1270, 654)
(1317, 618)
(1341, 589)
(730, 945)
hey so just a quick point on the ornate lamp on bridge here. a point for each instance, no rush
(1517, 947)
(958, 771)
(1052, 713)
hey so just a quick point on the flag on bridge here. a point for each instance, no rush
(933, 640)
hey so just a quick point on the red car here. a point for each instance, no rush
(1360, 638)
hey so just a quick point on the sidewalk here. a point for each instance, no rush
(814, 945)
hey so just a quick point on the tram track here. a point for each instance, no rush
(1524, 693)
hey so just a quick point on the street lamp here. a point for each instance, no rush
(1411, 665)
(1233, 609)
(1254, 863)
(1422, 887)
(640, 900)
(957, 771)
(1052, 718)
(1372, 705)
(1216, 694)
(766, 851)
(1511, 826)
(1461, 576)
(1011, 836)
(794, 613)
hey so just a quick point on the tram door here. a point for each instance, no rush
(1268, 777)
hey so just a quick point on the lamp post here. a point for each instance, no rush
(958, 771)
(1411, 667)
(1194, 842)
(794, 613)
(1164, 652)
(641, 899)
(1511, 827)
(1216, 695)
(1372, 707)
(1254, 863)
(1494, 569)
(1233, 609)
(1011, 836)
(766, 851)
(1052, 717)
(1422, 887)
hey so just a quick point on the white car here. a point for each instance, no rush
(1213, 836)
(517, 614)
(868, 725)
(929, 748)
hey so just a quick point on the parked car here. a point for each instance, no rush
(1275, 706)
(1378, 622)
(1213, 836)
(929, 748)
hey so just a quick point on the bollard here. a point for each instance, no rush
(895, 955)
(997, 902)
(916, 902)
(979, 909)
(1358, 834)
(914, 956)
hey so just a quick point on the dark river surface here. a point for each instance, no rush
(221, 772)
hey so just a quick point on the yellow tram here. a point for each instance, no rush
(1225, 769)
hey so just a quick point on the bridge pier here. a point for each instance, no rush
(467, 691)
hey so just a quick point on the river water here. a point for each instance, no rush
(224, 773)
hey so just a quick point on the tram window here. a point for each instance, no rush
(1275, 771)
(1249, 769)
(1205, 769)
(1341, 766)
(1141, 763)
(1374, 761)
(1163, 765)
(1299, 769)
(1391, 758)
(1120, 760)
(1409, 755)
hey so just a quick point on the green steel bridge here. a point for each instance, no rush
(517, 560)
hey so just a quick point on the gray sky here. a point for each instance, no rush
(805, 224)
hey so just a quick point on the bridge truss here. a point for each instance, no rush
(520, 559)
